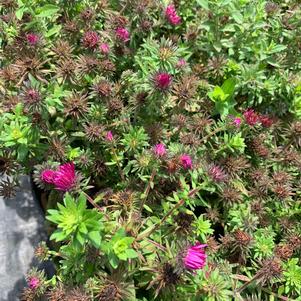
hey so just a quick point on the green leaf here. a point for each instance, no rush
(19, 12)
(58, 236)
(47, 10)
(130, 253)
(229, 86)
(238, 17)
(95, 238)
(203, 3)
(54, 30)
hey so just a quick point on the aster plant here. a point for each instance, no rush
(165, 138)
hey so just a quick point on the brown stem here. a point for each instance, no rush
(91, 201)
(204, 139)
(147, 190)
(118, 165)
(169, 213)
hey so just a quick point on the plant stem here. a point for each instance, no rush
(168, 214)
(147, 190)
(118, 165)
(91, 201)
(204, 139)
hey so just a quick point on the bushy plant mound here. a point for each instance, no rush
(167, 141)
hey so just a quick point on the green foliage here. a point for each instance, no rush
(76, 222)
(183, 127)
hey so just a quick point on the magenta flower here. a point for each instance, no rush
(104, 48)
(122, 34)
(171, 15)
(32, 39)
(47, 176)
(195, 258)
(266, 121)
(109, 136)
(251, 117)
(216, 173)
(65, 177)
(90, 39)
(186, 161)
(34, 282)
(160, 150)
(163, 80)
(237, 121)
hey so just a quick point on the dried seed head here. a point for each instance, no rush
(259, 149)
(93, 131)
(284, 251)
(231, 195)
(66, 69)
(271, 268)
(271, 8)
(62, 49)
(76, 105)
(115, 106)
(42, 252)
(212, 245)
(27, 295)
(293, 133)
(185, 89)
(70, 27)
(124, 198)
(184, 221)
(235, 166)
(282, 177)
(109, 292)
(88, 14)
(8, 188)
(99, 167)
(56, 294)
(179, 120)
(242, 238)
(8, 165)
(282, 191)
(76, 294)
(216, 66)
(213, 214)
(103, 88)
(294, 240)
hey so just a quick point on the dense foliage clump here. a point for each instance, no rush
(166, 139)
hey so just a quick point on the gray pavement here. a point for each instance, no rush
(21, 229)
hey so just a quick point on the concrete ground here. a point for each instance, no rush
(21, 229)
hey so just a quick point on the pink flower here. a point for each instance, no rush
(266, 121)
(90, 39)
(163, 80)
(34, 282)
(251, 117)
(109, 136)
(237, 121)
(181, 63)
(216, 173)
(186, 161)
(195, 258)
(171, 15)
(47, 176)
(32, 39)
(65, 177)
(104, 48)
(122, 34)
(160, 150)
